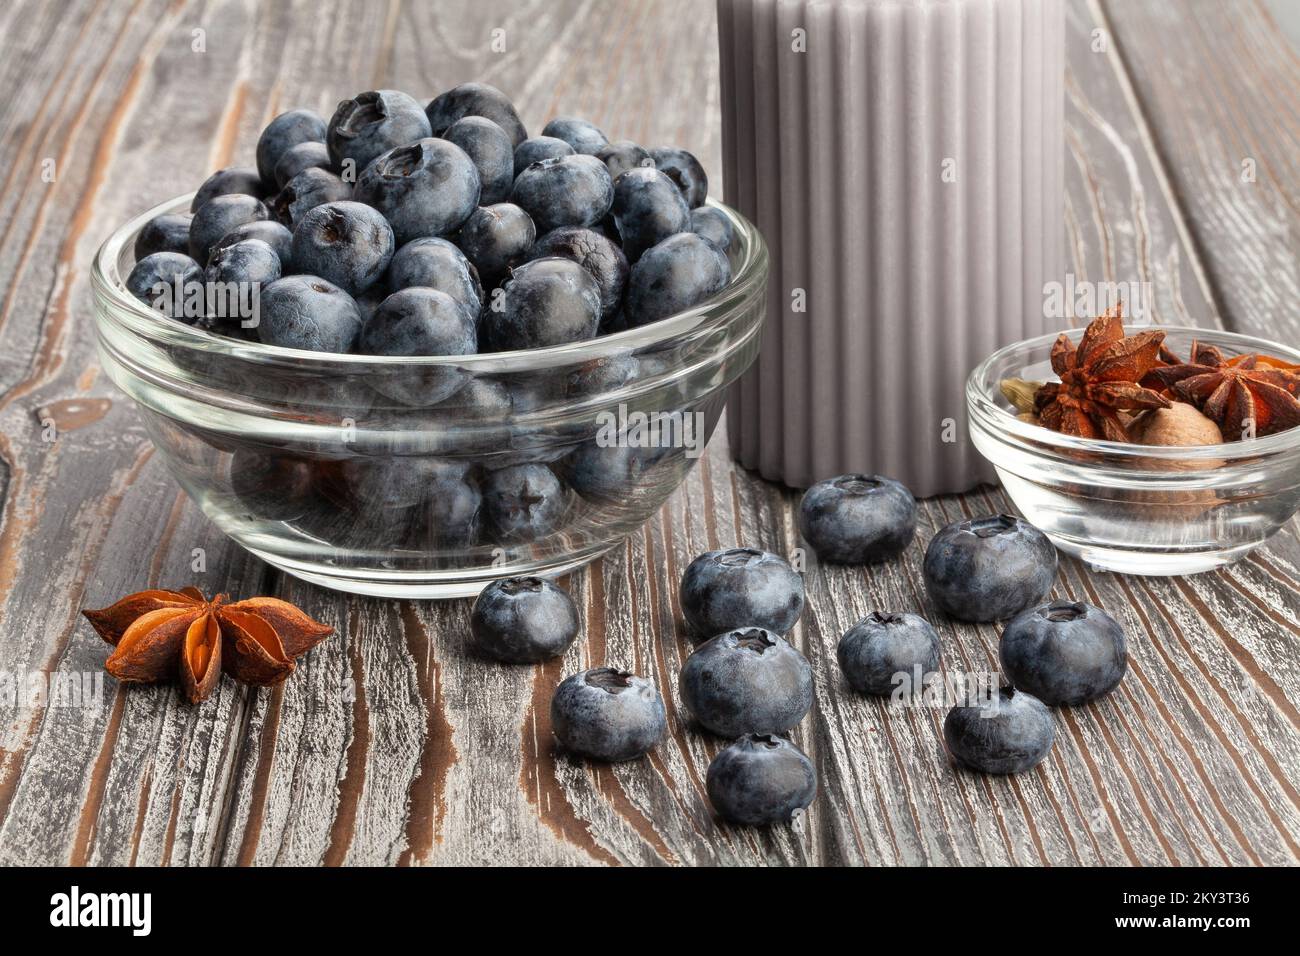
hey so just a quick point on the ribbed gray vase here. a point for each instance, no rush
(906, 169)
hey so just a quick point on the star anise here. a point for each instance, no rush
(1099, 379)
(1235, 392)
(155, 633)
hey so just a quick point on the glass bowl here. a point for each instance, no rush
(428, 477)
(1137, 509)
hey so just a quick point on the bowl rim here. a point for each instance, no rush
(1003, 425)
(118, 306)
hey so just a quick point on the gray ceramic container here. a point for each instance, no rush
(904, 160)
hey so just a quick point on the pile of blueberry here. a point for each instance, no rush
(401, 229)
(985, 569)
(744, 681)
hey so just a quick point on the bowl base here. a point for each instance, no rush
(1151, 563)
(421, 586)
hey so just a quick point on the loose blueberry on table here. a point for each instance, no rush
(523, 620)
(989, 568)
(857, 519)
(740, 587)
(608, 714)
(747, 681)
(1064, 653)
(761, 779)
(1009, 734)
(881, 646)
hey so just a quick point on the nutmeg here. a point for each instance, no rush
(1179, 424)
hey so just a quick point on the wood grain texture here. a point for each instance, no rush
(393, 744)
(1223, 90)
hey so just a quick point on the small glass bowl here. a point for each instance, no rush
(1137, 509)
(363, 474)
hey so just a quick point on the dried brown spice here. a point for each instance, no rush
(1099, 379)
(1234, 392)
(158, 631)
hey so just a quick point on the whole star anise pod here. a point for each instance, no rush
(1234, 392)
(1099, 379)
(156, 633)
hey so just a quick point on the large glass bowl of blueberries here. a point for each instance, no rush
(415, 349)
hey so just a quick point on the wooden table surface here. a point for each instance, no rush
(391, 744)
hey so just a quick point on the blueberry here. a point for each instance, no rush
(282, 134)
(497, 238)
(623, 155)
(746, 681)
(169, 232)
(740, 587)
(269, 231)
(218, 216)
(881, 646)
(307, 312)
(607, 474)
(761, 779)
(584, 137)
(857, 519)
(273, 487)
(523, 502)
(1064, 653)
(475, 99)
(490, 149)
(153, 280)
(601, 376)
(310, 155)
(990, 568)
(684, 170)
(232, 272)
(608, 714)
(234, 181)
(310, 188)
(437, 264)
(545, 302)
(523, 620)
(419, 321)
(565, 191)
(595, 253)
(480, 399)
(714, 226)
(453, 509)
(1007, 735)
(389, 493)
(647, 209)
(538, 148)
(678, 274)
(368, 302)
(427, 188)
(347, 243)
(372, 123)
(250, 260)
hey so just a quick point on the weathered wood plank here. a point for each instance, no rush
(394, 744)
(1221, 94)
